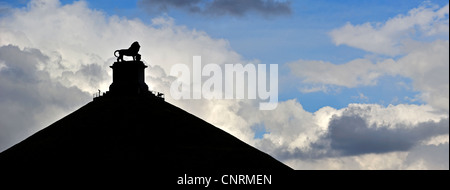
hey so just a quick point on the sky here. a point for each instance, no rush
(361, 84)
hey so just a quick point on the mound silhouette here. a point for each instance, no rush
(131, 124)
(142, 129)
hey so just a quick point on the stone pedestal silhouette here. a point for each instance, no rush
(128, 79)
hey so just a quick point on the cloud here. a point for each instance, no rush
(351, 135)
(359, 72)
(390, 37)
(426, 65)
(238, 8)
(360, 136)
(29, 98)
(434, 157)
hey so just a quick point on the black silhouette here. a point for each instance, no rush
(132, 51)
(131, 124)
(128, 78)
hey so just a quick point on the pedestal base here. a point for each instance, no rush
(128, 79)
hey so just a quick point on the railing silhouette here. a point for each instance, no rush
(158, 95)
(97, 94)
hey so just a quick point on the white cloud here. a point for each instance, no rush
(29, 98)
(387, 161)
(389, 38)
(433, 157)
(420, 158)
(428, 66)
(359, 72)
(391, 115)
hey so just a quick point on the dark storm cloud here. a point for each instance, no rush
(27, 94)
(239, 8)
(351, 135)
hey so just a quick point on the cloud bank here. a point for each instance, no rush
(341, 139)
(29, 98)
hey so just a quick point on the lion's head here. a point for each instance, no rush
(134, 48)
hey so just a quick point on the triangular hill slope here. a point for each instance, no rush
(143, 130)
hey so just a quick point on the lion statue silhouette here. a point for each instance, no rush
(132, 51)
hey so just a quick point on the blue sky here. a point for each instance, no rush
(340, 62)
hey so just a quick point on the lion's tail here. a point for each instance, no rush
(115, 53)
